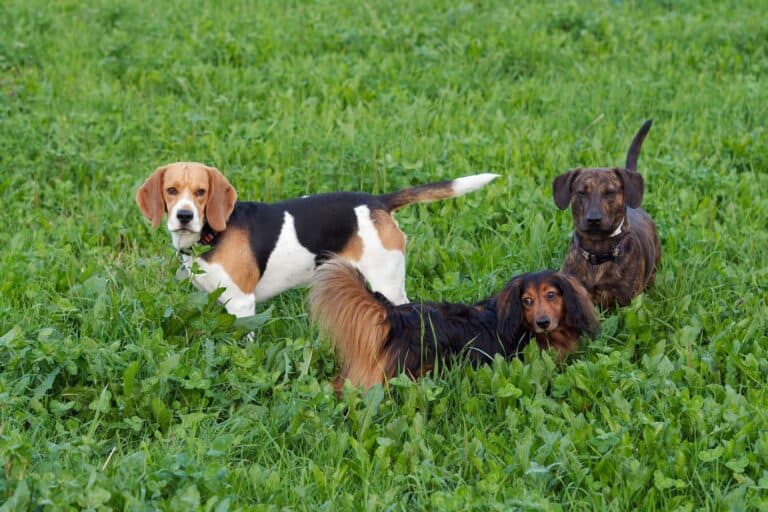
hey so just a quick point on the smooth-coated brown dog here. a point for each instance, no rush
(615, 248)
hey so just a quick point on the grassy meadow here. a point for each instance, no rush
(122, 388)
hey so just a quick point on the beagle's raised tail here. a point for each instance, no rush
(436, 191)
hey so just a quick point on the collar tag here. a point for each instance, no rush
(183, 272)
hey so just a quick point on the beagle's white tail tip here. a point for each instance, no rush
(467, 184)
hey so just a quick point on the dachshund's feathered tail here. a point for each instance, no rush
(354, 318)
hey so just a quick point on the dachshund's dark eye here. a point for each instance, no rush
(171, 191)
(527, 302)
(550, 295)
(200, 192)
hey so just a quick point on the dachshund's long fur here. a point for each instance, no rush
(376, 339)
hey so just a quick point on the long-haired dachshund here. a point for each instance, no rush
(376, 339)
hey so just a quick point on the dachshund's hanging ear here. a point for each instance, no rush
(509, 312)
(150, 197)
(579, 311)
(221, 200)
(561, 188)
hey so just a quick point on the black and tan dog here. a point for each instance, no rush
(615, 248)
(376, 339)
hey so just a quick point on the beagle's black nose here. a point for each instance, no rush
(185, 216)
(542, 322)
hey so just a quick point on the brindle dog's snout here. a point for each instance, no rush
(594, 217)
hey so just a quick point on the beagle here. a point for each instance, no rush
(261, 249)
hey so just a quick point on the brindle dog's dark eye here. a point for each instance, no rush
(582, 193)
(200, 192)
(610, 194)
(171, 191)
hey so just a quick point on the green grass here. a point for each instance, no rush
(123, 389)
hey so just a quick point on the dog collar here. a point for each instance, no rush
(598, 258)
(207, 237)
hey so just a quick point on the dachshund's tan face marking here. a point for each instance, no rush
(543, 307)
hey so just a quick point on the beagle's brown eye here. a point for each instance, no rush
(200, 192)
(171, 191)
(527, 302)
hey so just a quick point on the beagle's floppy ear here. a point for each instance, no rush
(579, 311)
(221, 200)
(150, 197)
(509, 312)
(633, 187)
(561, 188)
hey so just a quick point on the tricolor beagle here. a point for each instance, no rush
(259, 250)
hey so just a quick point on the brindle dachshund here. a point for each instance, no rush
(615, 248)
(376, 339)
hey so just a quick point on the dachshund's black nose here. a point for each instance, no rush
(185, 216)
(542, 322)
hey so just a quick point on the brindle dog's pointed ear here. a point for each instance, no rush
(633, 187)
(561, 188)
(221, 200)
(149, 197)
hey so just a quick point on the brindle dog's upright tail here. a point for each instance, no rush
(634, 149)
